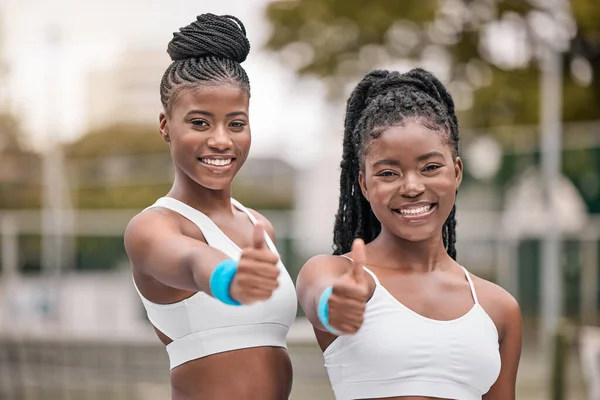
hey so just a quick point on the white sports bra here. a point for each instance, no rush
(201, 325)
(398, 352)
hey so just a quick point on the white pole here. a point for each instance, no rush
(53, 198)
(551, 144)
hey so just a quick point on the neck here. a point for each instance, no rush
(424, 256)
(206, 200)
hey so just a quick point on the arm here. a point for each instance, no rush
(157, 247)
(351, 289)
(315, 276)
(510, 352)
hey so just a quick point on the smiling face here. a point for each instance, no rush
(410, 177)
(208, 131)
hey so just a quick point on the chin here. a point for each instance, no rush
(216, 184)
(420, 234)
(214, 181)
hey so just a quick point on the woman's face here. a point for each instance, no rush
(410, 179)
(208, 131)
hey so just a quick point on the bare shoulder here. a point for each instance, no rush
(323, 265)
(147, 227)
(265, 222)
(502, 307)
(493, 292)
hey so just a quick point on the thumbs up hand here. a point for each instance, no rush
(257, 272)
(350, 293)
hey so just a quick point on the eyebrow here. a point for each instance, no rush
(395, 163)
(209, 114)
(429, 155)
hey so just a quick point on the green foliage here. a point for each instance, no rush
(30, 251)
(505, 103)
(587, 15)
(118, 139)
(338, 41)
(99, 253)
(11, 136)
(256, 199)
(91, 253)
(129, 197)
(14, 196)
(336, 30)
(20, 171)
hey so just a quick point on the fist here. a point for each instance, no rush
(257, 273)
(350, 294)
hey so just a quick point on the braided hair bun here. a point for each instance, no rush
(221, 36)
(210, 50)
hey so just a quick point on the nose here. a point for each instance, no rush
(412, 186)
(220, 139)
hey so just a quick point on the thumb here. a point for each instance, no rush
(258, 236)
(359, 258)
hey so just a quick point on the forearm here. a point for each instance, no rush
(202, 267)
(310, 296)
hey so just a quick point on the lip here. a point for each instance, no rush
(415, 218)
(218, 169)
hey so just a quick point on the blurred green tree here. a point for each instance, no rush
(19, 168)
(339, 40)
(104, 170)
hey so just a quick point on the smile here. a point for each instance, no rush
(217, 165)
(415, 214)
(216, 161)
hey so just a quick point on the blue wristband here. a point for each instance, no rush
(220, 281)
(323, 310)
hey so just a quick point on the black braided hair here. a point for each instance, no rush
(209, 50)
(381, 100)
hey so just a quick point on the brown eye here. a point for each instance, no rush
(385, 173)
(238, 124)
(432, 167)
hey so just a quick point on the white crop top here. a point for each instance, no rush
(398, 352)
(201, 325)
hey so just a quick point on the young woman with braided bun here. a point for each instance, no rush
(205, 267)
(399, 318)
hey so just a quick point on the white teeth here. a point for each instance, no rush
(416, 211)
(217, 161)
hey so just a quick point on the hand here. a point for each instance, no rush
(257, 273)
(350, 293)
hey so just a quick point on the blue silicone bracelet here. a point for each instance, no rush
(323, 310)
(220, 281)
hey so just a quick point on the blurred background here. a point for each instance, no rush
(80, 155)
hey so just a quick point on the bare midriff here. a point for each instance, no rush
(261, 373)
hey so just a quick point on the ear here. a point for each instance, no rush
(363, 185)
(163, 121)
(458, 171)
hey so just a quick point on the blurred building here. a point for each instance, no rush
(128, 93)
